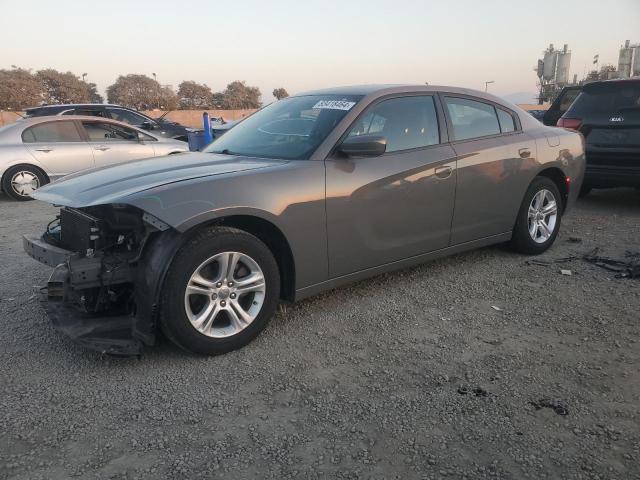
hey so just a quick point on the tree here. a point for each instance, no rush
(280, 93)
(237, 96)
(19, 89)
(141, 92)
(192, 95)
(59, 87)
(94, 96)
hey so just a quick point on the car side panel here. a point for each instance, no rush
(291, 197)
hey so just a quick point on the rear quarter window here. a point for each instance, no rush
(52, 132)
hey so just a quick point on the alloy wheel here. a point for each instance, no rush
(225, 294)
(543, 215)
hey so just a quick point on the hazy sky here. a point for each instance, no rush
(307, 44)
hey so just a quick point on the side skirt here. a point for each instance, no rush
(399, 264)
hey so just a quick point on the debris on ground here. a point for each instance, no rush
(548, 263)
(574, 240)
(477, 391)
(558, 406)
(629, 268)
(565, 272)
(496, 308)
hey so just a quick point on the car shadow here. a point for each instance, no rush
(617, 200)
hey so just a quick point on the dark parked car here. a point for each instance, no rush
(560, 105)
(607, 113)
(309, 193)
(158, 126)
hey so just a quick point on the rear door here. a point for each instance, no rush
(58, 146)
(493, 156)
(114, 143)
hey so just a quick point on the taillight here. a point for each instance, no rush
(572, 123)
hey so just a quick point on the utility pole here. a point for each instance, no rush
(157, 91)
(486, 84)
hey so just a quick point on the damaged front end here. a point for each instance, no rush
(103, 289)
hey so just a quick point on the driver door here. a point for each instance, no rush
(397, 205)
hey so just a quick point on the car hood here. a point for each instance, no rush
(113, 184)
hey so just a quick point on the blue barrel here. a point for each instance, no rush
(197, 141)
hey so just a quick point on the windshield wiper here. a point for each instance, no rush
(225, 151)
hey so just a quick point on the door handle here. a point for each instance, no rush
(524, 153)
(444, 171)
(102, 148)
(44, 149)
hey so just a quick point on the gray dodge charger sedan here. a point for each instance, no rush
(312, 192)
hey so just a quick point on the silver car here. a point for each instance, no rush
(36, 151)
(309, 193)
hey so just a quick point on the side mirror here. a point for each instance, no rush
(140, 137)
(364, 146)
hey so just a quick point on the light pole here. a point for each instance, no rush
(486, 84)
(157, 91)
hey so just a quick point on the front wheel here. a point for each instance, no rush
(539, 217)
(220, 292)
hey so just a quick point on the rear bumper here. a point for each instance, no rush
(612, 176)
(612, 167)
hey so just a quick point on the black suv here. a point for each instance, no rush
(607, 113)
(159, 126)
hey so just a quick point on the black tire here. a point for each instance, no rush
(584, 191)
(10, 189)
(522, 241)
(203, 245)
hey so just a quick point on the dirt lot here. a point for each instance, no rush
(362, 382)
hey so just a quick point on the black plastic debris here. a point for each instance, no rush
(558, 406)
(628, 268)
(477, 391)
(547, 263)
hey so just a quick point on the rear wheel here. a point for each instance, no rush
(221, 291)
(20, 181)
(539, 217)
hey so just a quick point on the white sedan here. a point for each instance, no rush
(39, 150)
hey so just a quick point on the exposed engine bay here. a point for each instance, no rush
(92, 294)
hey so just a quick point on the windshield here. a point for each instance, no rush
(291, 129)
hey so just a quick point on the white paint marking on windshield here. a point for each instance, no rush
(334, 105)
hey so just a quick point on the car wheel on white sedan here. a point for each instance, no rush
(20, 181)
(220, 292)
(539, 217)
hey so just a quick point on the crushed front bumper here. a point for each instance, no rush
(107, 334)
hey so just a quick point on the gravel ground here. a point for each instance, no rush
(361, 382)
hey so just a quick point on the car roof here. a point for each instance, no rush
(384, 89)
(379, 90)
(75, 105)
(613, 81)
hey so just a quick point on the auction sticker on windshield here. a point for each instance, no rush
(334, 104)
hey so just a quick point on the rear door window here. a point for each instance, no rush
(607, 98)
(52, 132)
(471, 119)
